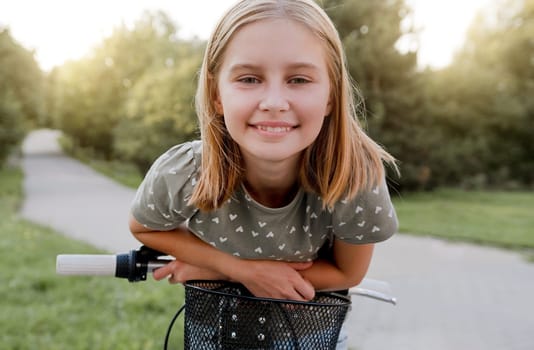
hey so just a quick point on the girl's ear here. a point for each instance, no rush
(218, 105)
(214, 94)
(328, 107)
(217, 102)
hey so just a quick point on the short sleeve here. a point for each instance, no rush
(161, 200)
(368, 218)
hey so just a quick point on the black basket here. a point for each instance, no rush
(223, 316)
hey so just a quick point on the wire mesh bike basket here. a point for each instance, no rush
(224, 316)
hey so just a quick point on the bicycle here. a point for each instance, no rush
(222, 315)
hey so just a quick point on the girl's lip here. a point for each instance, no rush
(273, 124)
(273, 127)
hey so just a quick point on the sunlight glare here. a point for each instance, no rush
(443, 25)
(60, 30)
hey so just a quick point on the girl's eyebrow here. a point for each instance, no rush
(243, 66)
(256, 67)
(305, 65)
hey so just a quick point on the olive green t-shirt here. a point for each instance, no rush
(246, 228)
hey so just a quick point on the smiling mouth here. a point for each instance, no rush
(274, 129)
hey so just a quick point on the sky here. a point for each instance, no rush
(59, 30)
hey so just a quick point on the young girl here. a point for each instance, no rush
(282, 169)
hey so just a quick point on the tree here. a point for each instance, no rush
(500, 47)
(387, 78)
(518, 59)
(159, 112)
(91, 93)
(21, 93)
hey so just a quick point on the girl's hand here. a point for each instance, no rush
(275, 279)
(180, 272)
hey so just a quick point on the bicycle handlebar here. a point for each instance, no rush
(136, 264)
(133, 265)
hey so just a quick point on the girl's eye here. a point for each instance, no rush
(298, 80)
(249, 80)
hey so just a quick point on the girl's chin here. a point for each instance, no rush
(272, 152)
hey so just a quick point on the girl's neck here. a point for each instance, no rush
(272, 185)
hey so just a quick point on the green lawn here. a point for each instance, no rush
(504, 219)
(41, 310)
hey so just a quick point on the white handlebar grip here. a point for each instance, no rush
(94, 265)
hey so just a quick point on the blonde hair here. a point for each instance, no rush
(342, 160)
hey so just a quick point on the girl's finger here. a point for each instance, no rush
(162, 272)
(307, 291)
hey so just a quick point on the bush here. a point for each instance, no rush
(11, 128)
(21, 93)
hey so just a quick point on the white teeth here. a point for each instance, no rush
(274, 128)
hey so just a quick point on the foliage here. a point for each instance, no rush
(466, 125)
(496, 98)
(11, 127)
(21, 79)
(159, 112)
(387, 78)
(92, 95)
(21, 94)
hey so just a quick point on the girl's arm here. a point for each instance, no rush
(200, 260)
(347, 268)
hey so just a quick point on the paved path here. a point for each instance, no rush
(451, 296)
(72, 198)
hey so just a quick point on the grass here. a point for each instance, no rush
(41, 310)
(503, 219)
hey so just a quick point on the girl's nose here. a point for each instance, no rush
(274, 100)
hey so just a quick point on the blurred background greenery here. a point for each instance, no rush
(469, 124)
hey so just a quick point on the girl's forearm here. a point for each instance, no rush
(346, 267)
(184, 246)
(326, 276)
(270, 279)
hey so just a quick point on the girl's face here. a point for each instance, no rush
(273, 89)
